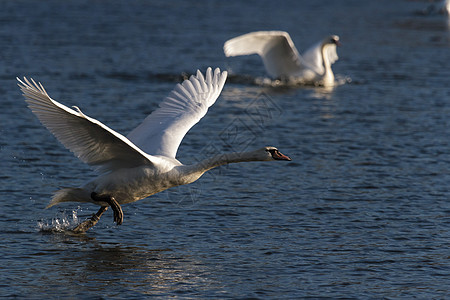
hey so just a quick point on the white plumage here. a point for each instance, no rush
(282, 60)
(162, 131)
(143, 163)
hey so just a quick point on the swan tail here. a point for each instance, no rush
(69, 195)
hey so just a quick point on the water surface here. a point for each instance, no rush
(362, 211)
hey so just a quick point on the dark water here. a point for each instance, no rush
(362, 211)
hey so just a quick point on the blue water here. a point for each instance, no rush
(362, 211)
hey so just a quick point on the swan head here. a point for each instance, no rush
(272, 153)
(332, 40)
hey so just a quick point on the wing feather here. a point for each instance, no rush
(163, 130)
(276, 49)
(91, 141)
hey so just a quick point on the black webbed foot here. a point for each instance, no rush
(117, 209)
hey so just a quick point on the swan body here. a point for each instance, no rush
(143, 163)
(133, 184)
(282, 60)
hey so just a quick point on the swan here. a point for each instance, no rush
(282, 60)
(143, 163)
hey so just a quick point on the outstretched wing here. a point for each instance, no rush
(313, 57)
(91, 141)
(276, 49)
(163, 130)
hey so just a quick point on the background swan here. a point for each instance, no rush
(143, 163)
(282, 60)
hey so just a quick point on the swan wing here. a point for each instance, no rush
(313, 57)
(276, 49)
(163, 130)
(91, 141)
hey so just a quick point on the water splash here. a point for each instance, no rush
(63, 222)
(294, 82)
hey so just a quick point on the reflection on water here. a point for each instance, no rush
(267, 82)
(246, 98)
(84, 265)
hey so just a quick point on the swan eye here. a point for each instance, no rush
(273, 152)
(335, 40)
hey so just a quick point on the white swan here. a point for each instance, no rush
(282, 60)
(143, 163)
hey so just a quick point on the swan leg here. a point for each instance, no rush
(86, 225)
(117, 209)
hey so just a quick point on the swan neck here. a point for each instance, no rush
(328, 76)
(223, 159)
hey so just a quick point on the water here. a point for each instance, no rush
(362, 211)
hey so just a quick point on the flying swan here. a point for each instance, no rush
(283, 61)
(143, 163)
